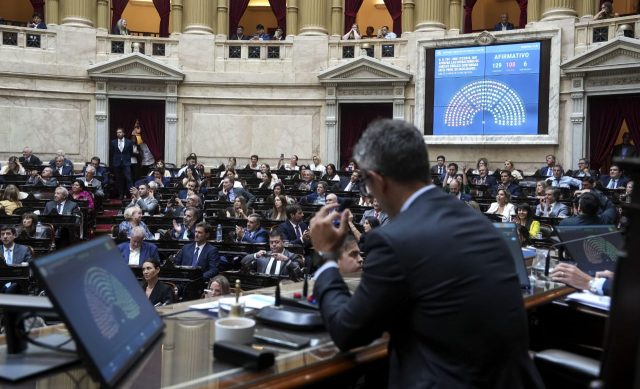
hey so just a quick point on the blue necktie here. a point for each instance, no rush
(9, 259)
(195, 257)
(59, 209)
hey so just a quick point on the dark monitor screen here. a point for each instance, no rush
(594, 251)
(510, 235)
(103, 306)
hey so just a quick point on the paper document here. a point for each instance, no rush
(591, 300)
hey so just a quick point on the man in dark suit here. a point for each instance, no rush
(187, 229)
(60, 153)
(625, 149)
(121, 150)
(13, 253)
(200, 253)
(60, 204)
(504, 24)
(136, 251)
(454, 189)
(28, 160)
(100, 171)
(615, 179)
(253, 233)
(439, 168)
(353, 184)
(294, 229)
(376, 212)
(506, 184)
(547, 171)
(453, 307)
(239, 35)
(586, 212)
(60, 168)
(229, 193)
(484, 178)
(279, 261)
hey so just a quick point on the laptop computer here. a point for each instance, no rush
(596, 248)
(509, 233)
(102, 305)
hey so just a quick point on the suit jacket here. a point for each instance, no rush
(514, 189)
(161, 294)
(434, 289)
(582, 220)
(236, 37)
(488, 180)
(622, 181)
(148, 204)
(69, 208)
(313, 198)
(33, 161)
(67, 162)
(545, 171)
(434, 169)
(498, 27)
(259, 236)
(95, 183)
(38, 181)
(239, 192)
(66, 171)
(558, 210)
(382, 217)
(260, 264)
(121, 158)
(208, 259)
(290, 233)
(147, 250)
(624, 151)
(19, 254)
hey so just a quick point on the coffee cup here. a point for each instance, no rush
(235, 329)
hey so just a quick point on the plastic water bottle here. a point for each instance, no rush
(39, 229)
(219, 233)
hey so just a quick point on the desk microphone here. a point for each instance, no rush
(548, 258)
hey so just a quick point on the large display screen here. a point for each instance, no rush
(487, 90)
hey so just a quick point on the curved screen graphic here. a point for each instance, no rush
(599, 250)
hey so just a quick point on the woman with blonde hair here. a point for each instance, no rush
(515, 173)
(10, 199)
(13, 168)
(133, 218)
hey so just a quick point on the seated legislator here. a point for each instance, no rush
(92, 182)
(349, 259)
(13, 168)
(507, 184)
(28, 159)
(133, 218)
(279, 261)
(453, 307)
(586, 212)
(254, 233)
(547, 170)
(295, 231)
(549, 205)
(141, 198)
(278, 212)
(200, 253)
(454, 190)
(559, 180)
(60, 168)
(218, 286)
(319, 197)
(239, 210)
(157, 291)
(45, 178)
(29, 228)
(229, 193)
(13, 253)
(524, 218)
(61, 204)
(615, 179)
(503, 206)
(10, 199)
(79, 192)
(136, 251)
(187, 229)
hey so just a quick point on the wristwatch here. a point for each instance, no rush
(327, 255)
(592, 286)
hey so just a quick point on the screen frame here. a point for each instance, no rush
(494, 38)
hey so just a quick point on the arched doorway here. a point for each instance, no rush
(354, 119)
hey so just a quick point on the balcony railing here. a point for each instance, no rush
(254, 50)
(24, 37)
(376, 48)
(117, 45)
(589, 34)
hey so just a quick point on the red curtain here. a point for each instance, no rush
(117, 8)
(151, 114)
(351, 8)
(164, 10)
(354, 119)
(279, 8)
(629, 107)
(395, 10)
(236, 10)
(468, 9)
(523, 12)
(605, 121)
(38, 7)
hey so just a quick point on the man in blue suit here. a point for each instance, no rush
(200, 253)
(253, 233)
(295, 231)
(137, 250)
(452, 307)
(615, 179)
(121, 150)
(60, 168)
(13, 253)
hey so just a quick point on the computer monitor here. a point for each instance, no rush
(110, 318)
(593, 248)
(509, 233)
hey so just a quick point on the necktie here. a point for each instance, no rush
(298, 233)
(59, 207)
(194, 263)
(121, 145)
(376, 215)
(9, 259)
(549, 172)
(615, 184)
(440, 170)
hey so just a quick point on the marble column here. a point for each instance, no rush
(558, 9)
(171, 124)
(104, 15)
(51, 17)
(292, 17)
(197, 17)
(533, 11)
(430, 15)
(408, 21)
(176, 16)
(78, 13)
(102, 129)
(313, 17)
(455, 14)
(331, 124)
(336, 18)
(222, 26)
(588, 8)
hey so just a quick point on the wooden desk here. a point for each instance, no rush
(183, 357)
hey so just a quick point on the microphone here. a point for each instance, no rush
(548, 258)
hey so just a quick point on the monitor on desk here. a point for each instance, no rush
(510, 234)
(593, 248)
(110, 318)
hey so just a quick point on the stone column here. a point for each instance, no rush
(78, 13)
(558, 9)
(313, 17)
(176, 16)
(578, 148)
(331, 123)
(430, 15)
(455, 14)
(102, 130)
(222, 26)
(588, 8)
(408, 21)
(292, 17)
(197, 17)
(51, 17)
(171, 124)
(103, 17)
(336, 18)
(533, 11)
